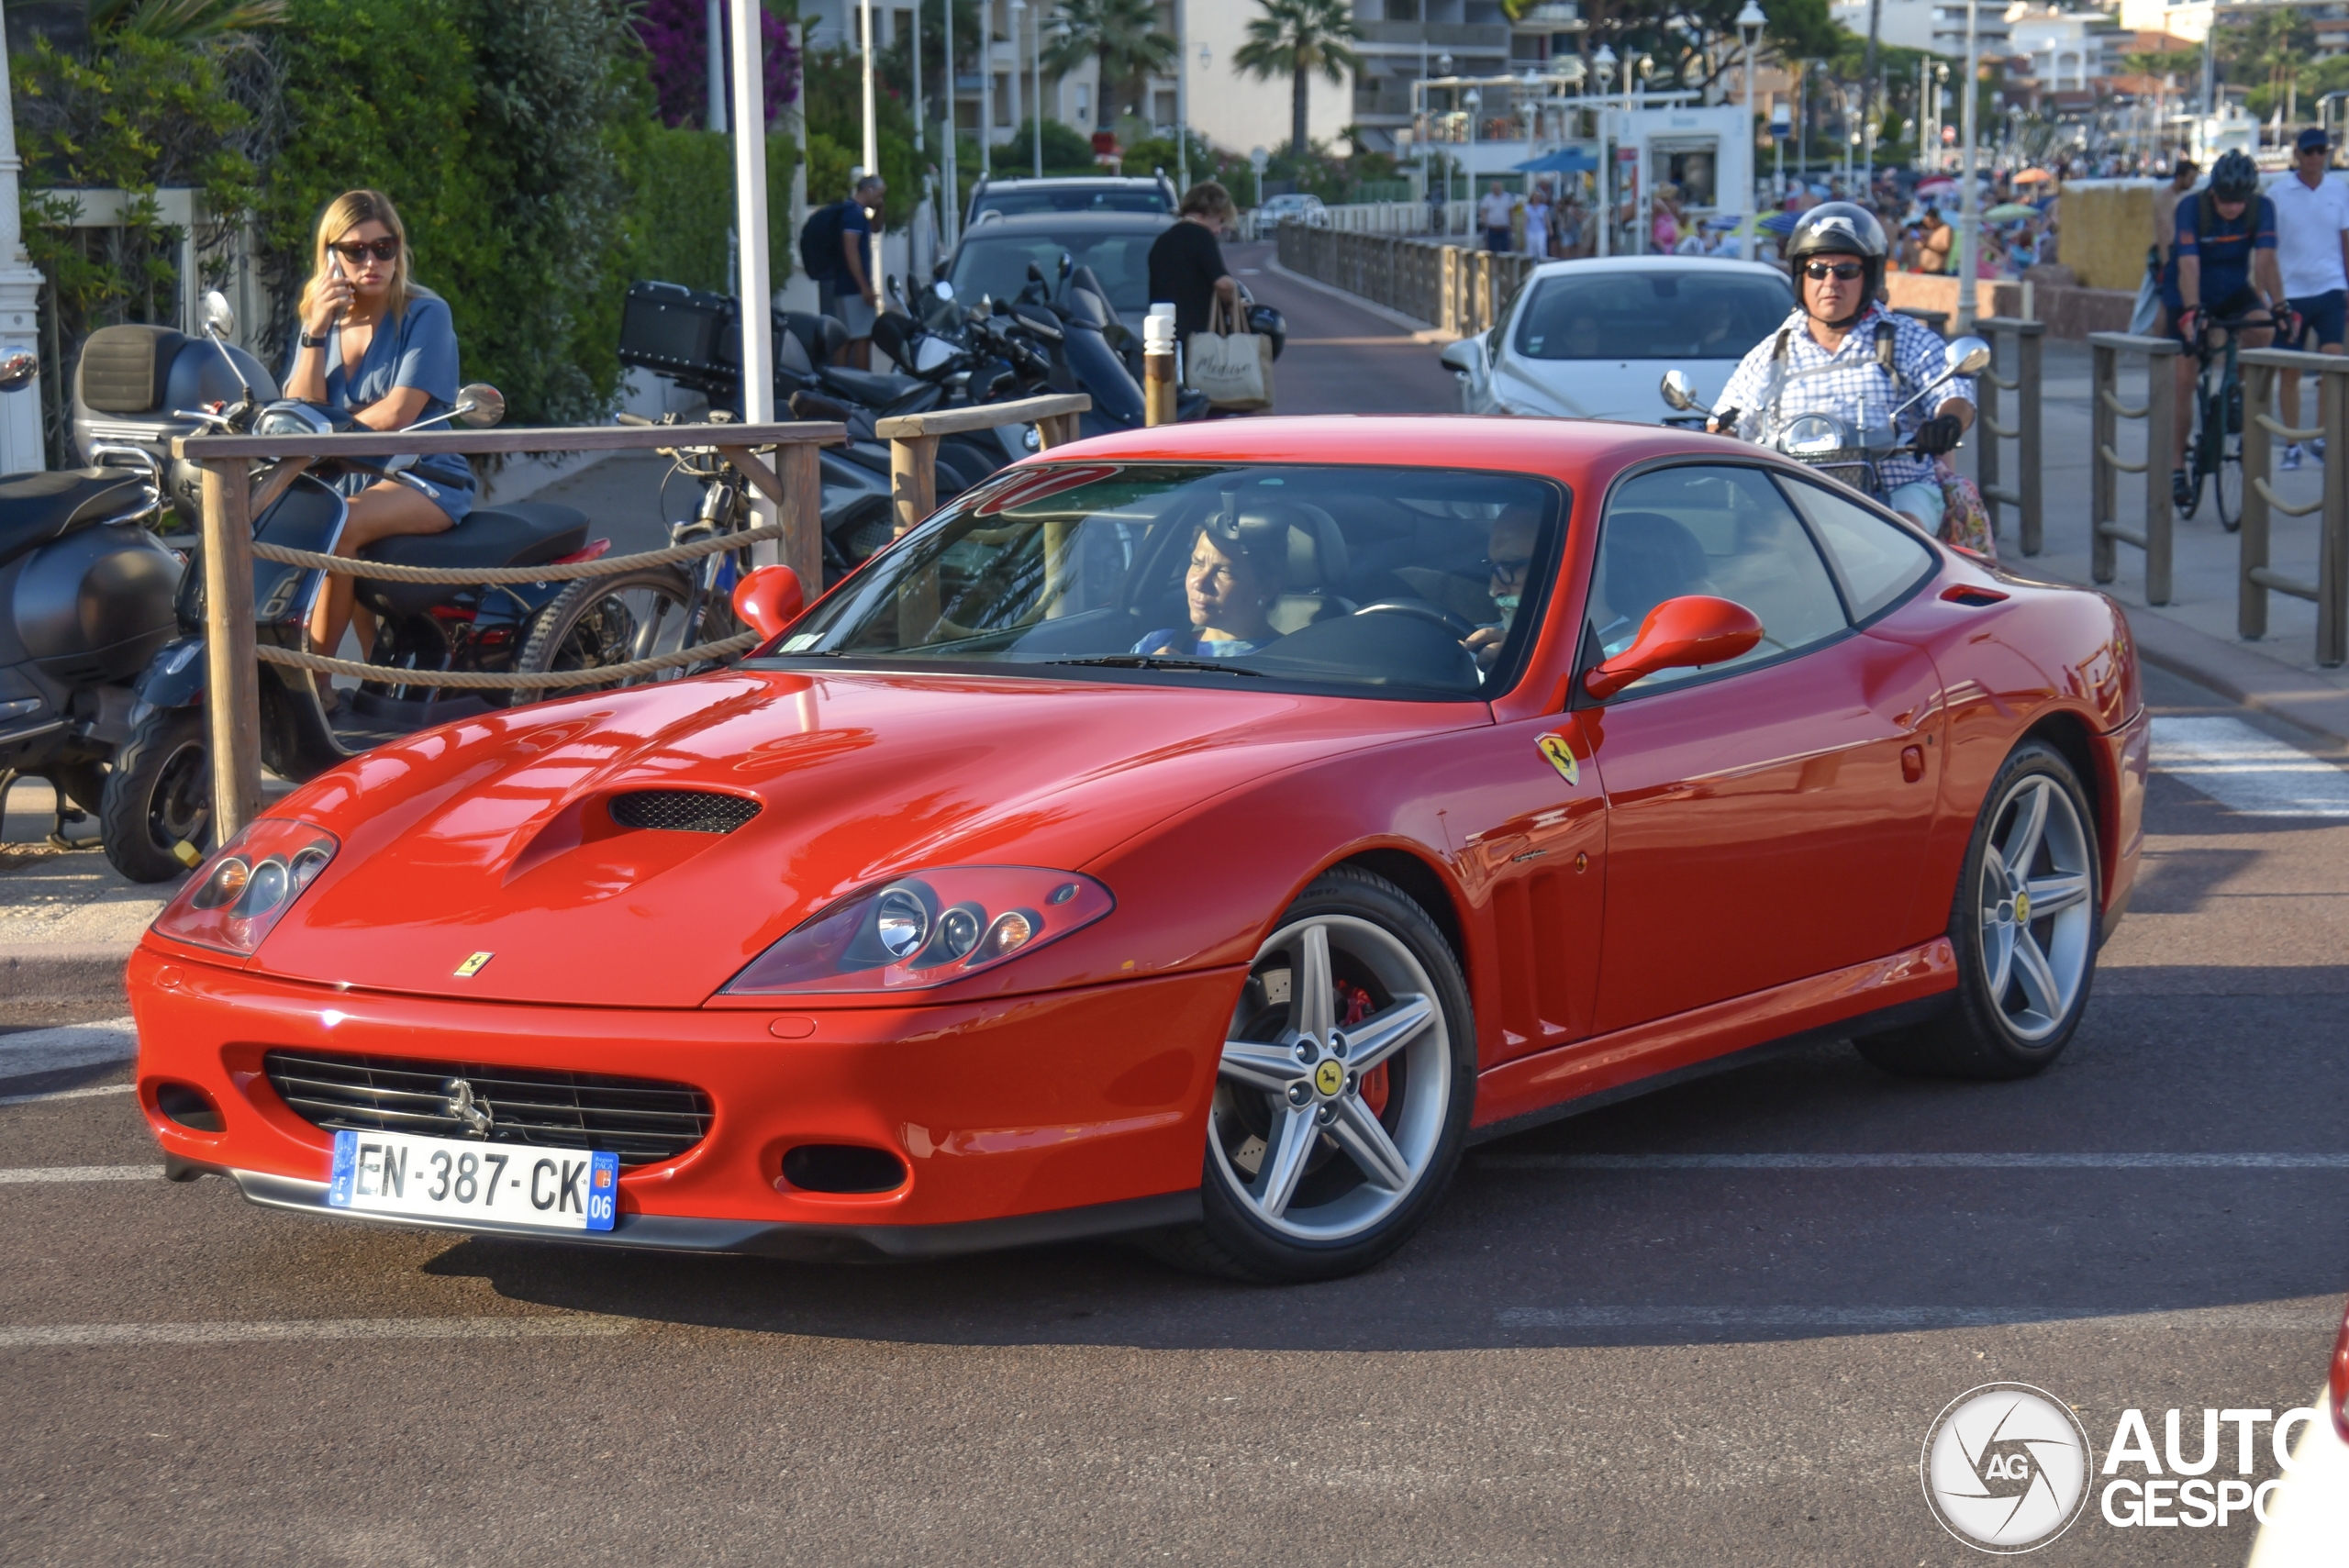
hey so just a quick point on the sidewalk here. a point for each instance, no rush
(67, 918)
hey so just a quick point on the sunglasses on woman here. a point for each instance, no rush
(356, 250)
(1841, 271)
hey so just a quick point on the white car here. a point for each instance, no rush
(2308, 1517)
(1293, 204)
(1591, 339)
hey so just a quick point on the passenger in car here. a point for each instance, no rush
(1238, 566)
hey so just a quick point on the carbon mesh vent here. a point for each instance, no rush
(683, 810)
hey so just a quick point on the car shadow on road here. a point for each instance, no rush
(1534, 1247)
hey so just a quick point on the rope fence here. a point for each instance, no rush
(477, 680)
(552, 571)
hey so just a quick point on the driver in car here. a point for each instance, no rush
(1842, 352)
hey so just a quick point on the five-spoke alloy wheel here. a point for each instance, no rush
(2025, 927)
(1344, 1090)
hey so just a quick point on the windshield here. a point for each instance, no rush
(1419, 584)
(1668, 316)
(997, 265)
(1073, 198)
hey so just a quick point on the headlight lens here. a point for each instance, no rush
(919, 931)
(239, 895)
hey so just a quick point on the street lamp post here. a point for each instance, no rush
(1036, 60)
(1602, 65)
(1182, 102)
(1969, 233)
(1749, 22)
(1017, 9)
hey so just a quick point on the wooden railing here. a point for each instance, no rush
(2255, 579)
(913, 442)
(2106, 465)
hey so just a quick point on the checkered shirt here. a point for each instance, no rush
(1848, 383)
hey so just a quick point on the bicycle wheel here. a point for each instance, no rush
(2226, 488)
(600, 621)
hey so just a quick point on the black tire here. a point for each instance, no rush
(158, 795)
(1993, 1031)
(2226, 485)
(1421, 1092)
(610, 620)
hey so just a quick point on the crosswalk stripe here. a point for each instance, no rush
(2263, 1315)
(69, 1045)
(21, 1175)
(66, 1094)
(2248, 772)
(53, 1335)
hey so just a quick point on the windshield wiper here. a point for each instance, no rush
(1159, 662)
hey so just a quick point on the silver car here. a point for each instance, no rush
(1591, 340)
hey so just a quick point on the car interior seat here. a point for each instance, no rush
(1650, 558)
(1317, 570)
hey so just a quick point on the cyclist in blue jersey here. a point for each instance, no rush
(2222, 266)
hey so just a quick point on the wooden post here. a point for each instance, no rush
(2030, 449)
(1987, 448)
(232, 671)
(2258, 450)
(2104, 426)
(802, 515)
(2333, 544)
(913, 478)
(2161, 515)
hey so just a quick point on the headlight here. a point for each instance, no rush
(1813, 435)
(919, 931)
(242, 892)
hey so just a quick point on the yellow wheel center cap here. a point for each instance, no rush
(2022, 908)
(1329, 1078)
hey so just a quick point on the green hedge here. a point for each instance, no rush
(684, 206)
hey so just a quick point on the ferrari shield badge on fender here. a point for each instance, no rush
(1561, 756)
(473, 965)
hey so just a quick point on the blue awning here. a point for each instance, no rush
(1565, 160)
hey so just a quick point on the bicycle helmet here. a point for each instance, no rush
(1840, 229)
(2234, 178)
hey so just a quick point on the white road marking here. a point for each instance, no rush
(45, 1336)
(2251, 773)
(67, 1095)
(20, 1175)
(70, 1045)
(2259, 1315)
(2117, 1161)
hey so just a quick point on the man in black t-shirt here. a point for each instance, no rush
(1187, 266)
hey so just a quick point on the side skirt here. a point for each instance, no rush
(1905, 988)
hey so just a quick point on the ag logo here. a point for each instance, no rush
(1561, 756)
(2005, 1468)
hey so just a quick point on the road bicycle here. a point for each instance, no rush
(2214, 452)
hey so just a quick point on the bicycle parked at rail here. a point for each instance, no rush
(2214, 451)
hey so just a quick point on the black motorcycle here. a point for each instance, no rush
(155, 809)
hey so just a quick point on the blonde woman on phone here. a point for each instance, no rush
(380, 348)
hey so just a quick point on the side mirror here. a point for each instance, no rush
(1679, 634)
(480, 405)
(1466, 355)
(770, 599)
(1678, 392)
(1966, 356)
(220, 320)
(17, 370)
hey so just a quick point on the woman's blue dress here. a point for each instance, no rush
(418, 349)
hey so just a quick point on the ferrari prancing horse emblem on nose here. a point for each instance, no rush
(472, 966)
(1561, 756)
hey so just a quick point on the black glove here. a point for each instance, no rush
(1725, 421)
(1939, 433)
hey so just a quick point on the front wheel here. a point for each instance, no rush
(2024, 929)
(602, 621)
(1343, 1094)
(158, 796)
(2226, 488)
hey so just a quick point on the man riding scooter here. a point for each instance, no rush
(1842, 353)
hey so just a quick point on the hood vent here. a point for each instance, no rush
(683, 810)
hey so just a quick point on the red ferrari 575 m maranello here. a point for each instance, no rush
(1199, 834)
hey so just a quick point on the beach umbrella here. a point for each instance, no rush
(1937, 187)
(2009, 211)
(1778, 223)
(2033, 177)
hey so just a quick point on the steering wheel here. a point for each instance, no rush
(1419, 609)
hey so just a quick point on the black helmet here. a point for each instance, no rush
(1840, 229)
(2234, 178)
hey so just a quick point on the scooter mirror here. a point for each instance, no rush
(480, 405)
(770, 599)
(1966, 356)
(1678, 392)
(219, 319)
(17, 370)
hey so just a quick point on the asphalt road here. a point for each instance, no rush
(1730, 1353)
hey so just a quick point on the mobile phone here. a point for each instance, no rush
(334, 265)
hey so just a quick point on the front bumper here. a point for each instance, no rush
(1019, 1120)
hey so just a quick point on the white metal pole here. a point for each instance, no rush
(986, 88)
(1182, 101)
(918, 263)
(21, 449)
(871, 145)
(718, 66)
(953, 212)
(1019, 9)
(1969, 201)
(1753, 216)
(751, 221)
(1036, 60)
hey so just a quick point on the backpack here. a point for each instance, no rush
(820, 239)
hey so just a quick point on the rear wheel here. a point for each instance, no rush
(2226, 487)
(601, 621)
(2024, 927)
(158, 796)
(1343, 1094)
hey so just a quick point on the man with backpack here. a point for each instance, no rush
(836, 247)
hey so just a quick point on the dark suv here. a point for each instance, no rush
(1084, 193)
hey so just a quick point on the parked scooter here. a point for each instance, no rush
(88, 589)
(155, 812)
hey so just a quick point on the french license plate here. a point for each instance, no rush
(461, 1182)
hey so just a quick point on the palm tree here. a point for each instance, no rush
(184, 21)
(1121, 35)
(1296, 37)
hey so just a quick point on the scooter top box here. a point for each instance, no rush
(690, 334)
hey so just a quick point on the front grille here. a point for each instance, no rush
(683, 810)
(642, 1120)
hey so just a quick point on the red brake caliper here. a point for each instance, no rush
(1353, 1005)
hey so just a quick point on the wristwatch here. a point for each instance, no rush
(310, 343)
